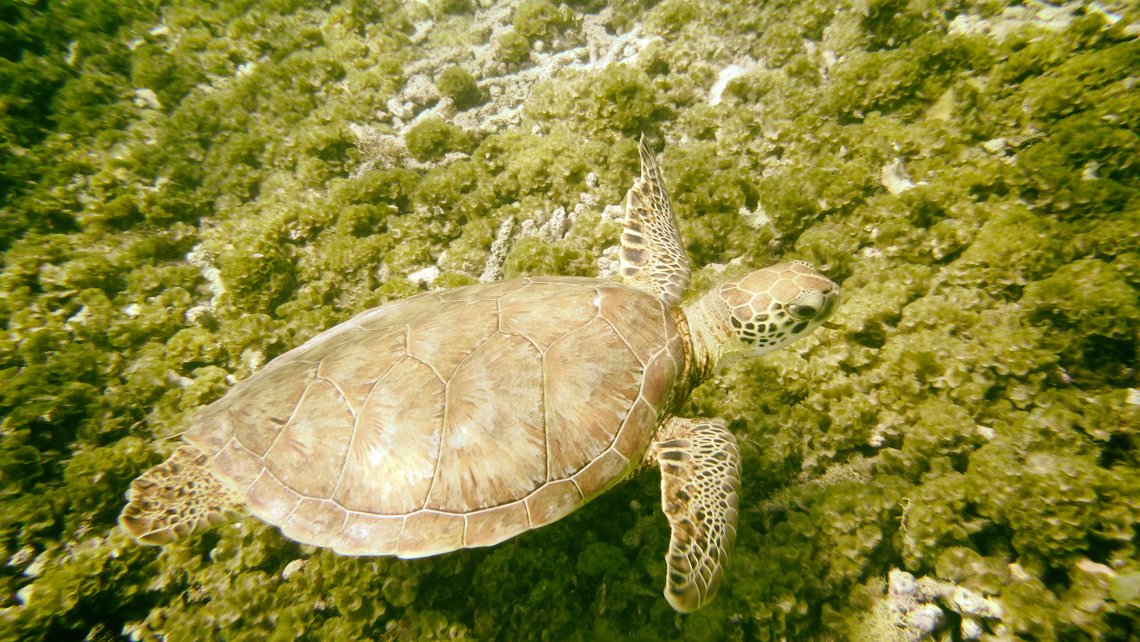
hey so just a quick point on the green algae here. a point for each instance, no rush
(974, 418)
(512, 48)
(542, 20)
(432, 138)
(620, 99)
(458, 84)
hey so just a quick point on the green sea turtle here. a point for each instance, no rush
(464, 417)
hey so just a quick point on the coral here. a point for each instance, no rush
(914, 610)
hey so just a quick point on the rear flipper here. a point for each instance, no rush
(700, 481)
(178, 498)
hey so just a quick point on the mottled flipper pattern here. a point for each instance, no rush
(700, 482)
(176, 499)
(652, 255)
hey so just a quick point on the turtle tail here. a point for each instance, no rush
(178, 498)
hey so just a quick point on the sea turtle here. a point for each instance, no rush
(463, 417)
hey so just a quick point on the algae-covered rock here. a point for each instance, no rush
(189, 190)
(432, 138)
(458, 84)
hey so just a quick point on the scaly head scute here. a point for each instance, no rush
(774, 306)
(757, 313)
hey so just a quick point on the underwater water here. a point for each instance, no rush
(189, 189)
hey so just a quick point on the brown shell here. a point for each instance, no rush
(451, 419)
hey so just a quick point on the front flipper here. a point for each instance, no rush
(700, 480)
(652, 255)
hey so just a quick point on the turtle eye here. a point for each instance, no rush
(803, 311)
(806, 305)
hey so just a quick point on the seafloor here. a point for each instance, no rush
(190, 188)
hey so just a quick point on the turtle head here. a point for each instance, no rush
(774, 306)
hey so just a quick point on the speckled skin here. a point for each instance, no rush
(768, 306)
